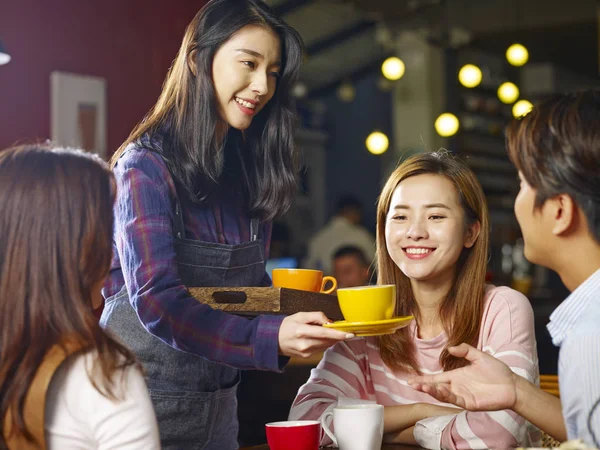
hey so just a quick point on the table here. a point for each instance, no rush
(383, 447)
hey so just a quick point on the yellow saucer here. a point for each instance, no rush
(372, 328)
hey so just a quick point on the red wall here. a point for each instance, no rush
(130, 43)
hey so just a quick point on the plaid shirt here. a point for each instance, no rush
(144, 261)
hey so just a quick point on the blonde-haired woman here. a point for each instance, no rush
(432, 243)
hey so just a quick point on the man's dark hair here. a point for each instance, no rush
(346, 203)
(556, 147)
(350, 250)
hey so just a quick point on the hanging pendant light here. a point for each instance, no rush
(346, 92)
(470, 75)
(377, 143)
(393, 68)
(4, 56)
(447, 124)
(517, 55)
(508, 92)
(521, 108)
(299, 90)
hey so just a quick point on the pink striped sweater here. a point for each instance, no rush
(354, 369)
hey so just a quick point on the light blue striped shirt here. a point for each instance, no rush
(575, 328)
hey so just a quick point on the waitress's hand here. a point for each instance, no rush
(302, 334)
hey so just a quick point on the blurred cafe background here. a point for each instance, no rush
(382, 79)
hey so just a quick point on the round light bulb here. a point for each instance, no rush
(4, 58)
(299, 90)
(517, 55)
(346, 92)
(393, 68)
(377, 142)
(521, 108)
(384, 84)
(470, 75)
(447, 124)
(508, 92)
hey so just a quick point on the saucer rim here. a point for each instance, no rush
(393, 321)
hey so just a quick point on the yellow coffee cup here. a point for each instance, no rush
(367, 303)
(303, 280)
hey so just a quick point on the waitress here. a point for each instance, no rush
(199, 181)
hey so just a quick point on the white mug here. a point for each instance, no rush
(357, 427)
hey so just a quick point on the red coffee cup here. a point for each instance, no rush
(294, 435)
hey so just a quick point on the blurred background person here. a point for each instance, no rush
(350, 267)
(342, 230)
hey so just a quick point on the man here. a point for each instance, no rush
(342, 230)
(556, 149)
(350, 267)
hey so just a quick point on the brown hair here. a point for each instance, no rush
(557, 149)
(56, 226)
(462, 309)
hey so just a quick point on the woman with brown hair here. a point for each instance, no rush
(56, 225)
(432, 243)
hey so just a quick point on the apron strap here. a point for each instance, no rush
(253, 229)
(178, 225)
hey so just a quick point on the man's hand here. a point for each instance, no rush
(486, 384)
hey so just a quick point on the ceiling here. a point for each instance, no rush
(345, 39)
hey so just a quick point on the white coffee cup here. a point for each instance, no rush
(357, 427)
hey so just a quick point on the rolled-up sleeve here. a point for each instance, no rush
(145, 245)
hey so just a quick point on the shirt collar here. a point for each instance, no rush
(565, 317)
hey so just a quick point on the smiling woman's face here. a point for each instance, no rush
(425, 228)
(245, 71)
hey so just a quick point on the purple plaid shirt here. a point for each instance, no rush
(144, 261)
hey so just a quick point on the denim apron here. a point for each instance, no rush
(194, 399)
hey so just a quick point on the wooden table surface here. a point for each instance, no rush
(383, 447)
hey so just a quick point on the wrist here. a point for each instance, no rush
(420, 411)
(400, 417)
(413, 411)
(521, 386)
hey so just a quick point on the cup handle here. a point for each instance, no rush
(326, 429)
(332, 288)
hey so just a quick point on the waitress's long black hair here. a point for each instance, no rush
(186, 116)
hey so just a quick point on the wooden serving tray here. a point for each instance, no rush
(253, 301)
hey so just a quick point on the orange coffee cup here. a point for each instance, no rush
(303, 280)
